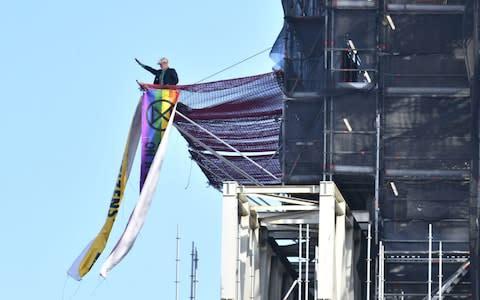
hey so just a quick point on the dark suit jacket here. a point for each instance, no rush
(170, 76)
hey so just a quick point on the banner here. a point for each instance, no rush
(137, 218)
(92, 251)
(156, 110)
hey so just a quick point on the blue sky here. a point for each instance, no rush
(68, 93)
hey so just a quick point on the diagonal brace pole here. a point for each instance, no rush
(236, 168)
(227, 144)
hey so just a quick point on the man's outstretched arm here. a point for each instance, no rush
(148, 68)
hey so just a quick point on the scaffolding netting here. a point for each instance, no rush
(232, 128)
(381, 99)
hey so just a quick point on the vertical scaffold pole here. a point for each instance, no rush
(230, 242)
(381, 271)
(330, 102)
(300, 262)
(377, 177)
(307, 259)
(239, 293)
(429, 261)
(325, 67)
(440, 270)
(369, 259)
(315, 285)
(252, 265)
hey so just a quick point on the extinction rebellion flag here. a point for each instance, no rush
(156, 111)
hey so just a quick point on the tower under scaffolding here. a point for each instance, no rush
(382, 99)
(371, 191)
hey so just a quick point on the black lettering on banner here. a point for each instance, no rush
(94, 260)
(117, 196)
(112, 212)
(119, 179)
(115, 203)
(117, 193)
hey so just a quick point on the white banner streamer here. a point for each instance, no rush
(84, 262)
(138, 216)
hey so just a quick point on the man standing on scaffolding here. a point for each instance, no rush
(163, 76)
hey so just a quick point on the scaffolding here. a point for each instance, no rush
(382, 99)
(289, 242)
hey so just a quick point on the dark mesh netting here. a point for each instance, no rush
(235, 168)
(387, 85)
(443, 123)
(319, 62)
(232, 128)
(385, 107)
(427, 200)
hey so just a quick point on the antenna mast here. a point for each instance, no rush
(194, 281)
(177, 261)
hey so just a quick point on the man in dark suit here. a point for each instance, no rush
(164, 75)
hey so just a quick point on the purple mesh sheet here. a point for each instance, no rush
(244, 113)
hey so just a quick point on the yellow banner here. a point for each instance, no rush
(92, 251)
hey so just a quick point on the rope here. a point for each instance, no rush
(212, 75)
(64, 286)
(101, 280)
(234, 65)
(76, 291)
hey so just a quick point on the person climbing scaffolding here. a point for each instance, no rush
(164, 75)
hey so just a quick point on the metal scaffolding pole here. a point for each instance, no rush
(239, 263)
(330, 99)
(379, 276)
(369, 260)
(307, 259)
(252, 265)
(330, 160)
(324, 175)
(377, 177)
(230, 245)
(299, 262)
(474, 194)
(215, 153)
(315, 285)
(227, 145)
(381, 271)
(429, 262)
(440, 271)
(325, 67)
